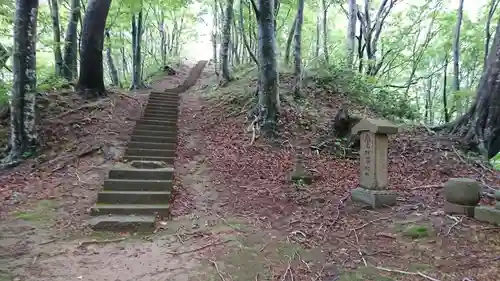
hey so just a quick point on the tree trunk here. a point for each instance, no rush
(124, 58)
(215, 29)
(493, 6)
(318, 35)
(23, 136)
(226, 38)
(163, 39)
(445, 85)
(268, 95)
(297, 49)
(289, 40)
(113, 73)
(137, 82)
(91, 81)
(56, 32)
(455, 85)
(351, 32)
(325, 31)
(70, 64)
(482, 122)
(244, 37)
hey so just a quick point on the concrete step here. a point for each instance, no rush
(149, 152)
(137, 185)
(142, 174)
(154, 133)
(152, 145)
(154, 139)
(133, 197)
(166, 128)
(167, 160)
(130, 209)
(155, 122)
(123, 223)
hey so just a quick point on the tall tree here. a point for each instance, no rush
(91, 81)
(491, 11)
(113, 72)
(137, 30)
(325, 7)
(226, 38)
(455, 85)
(480, 126)
(351, 32)
(23, 136)
(70, 65)
(298, 48)
(268, 67)
(56, 31)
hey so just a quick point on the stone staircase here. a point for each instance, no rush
(138, 190)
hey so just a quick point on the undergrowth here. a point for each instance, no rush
(239, 95)
(366, 91)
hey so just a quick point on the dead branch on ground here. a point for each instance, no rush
(94, 241)
(407, 273)
(199, 248)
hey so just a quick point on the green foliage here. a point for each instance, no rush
(364, 90)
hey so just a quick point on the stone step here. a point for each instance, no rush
(150, 152)
(166, 128)
(154, 139)
(160, 116)
(123, 223)
(170, 104)
(155, 133)
(163, 101)
(152, 145)
(130, 209)
(142, 174)
(133, 197)
(173, 109)
(137, 185)
(163, 94)
(162, 109)
(155, 122)
(167, 160)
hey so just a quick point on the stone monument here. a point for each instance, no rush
(374, 142)
(461, 196)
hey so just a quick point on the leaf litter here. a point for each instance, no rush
(252, 181)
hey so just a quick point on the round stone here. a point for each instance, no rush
(497, 195)
(462, 191)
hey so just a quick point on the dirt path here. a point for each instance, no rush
(44, 241)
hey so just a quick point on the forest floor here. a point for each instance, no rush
(236, 216)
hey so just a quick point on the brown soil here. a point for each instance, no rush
(235, 214)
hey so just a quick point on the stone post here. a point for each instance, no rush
(374, 141)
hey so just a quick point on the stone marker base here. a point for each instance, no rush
(456, 209)
(487, 214)
(374, 198)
